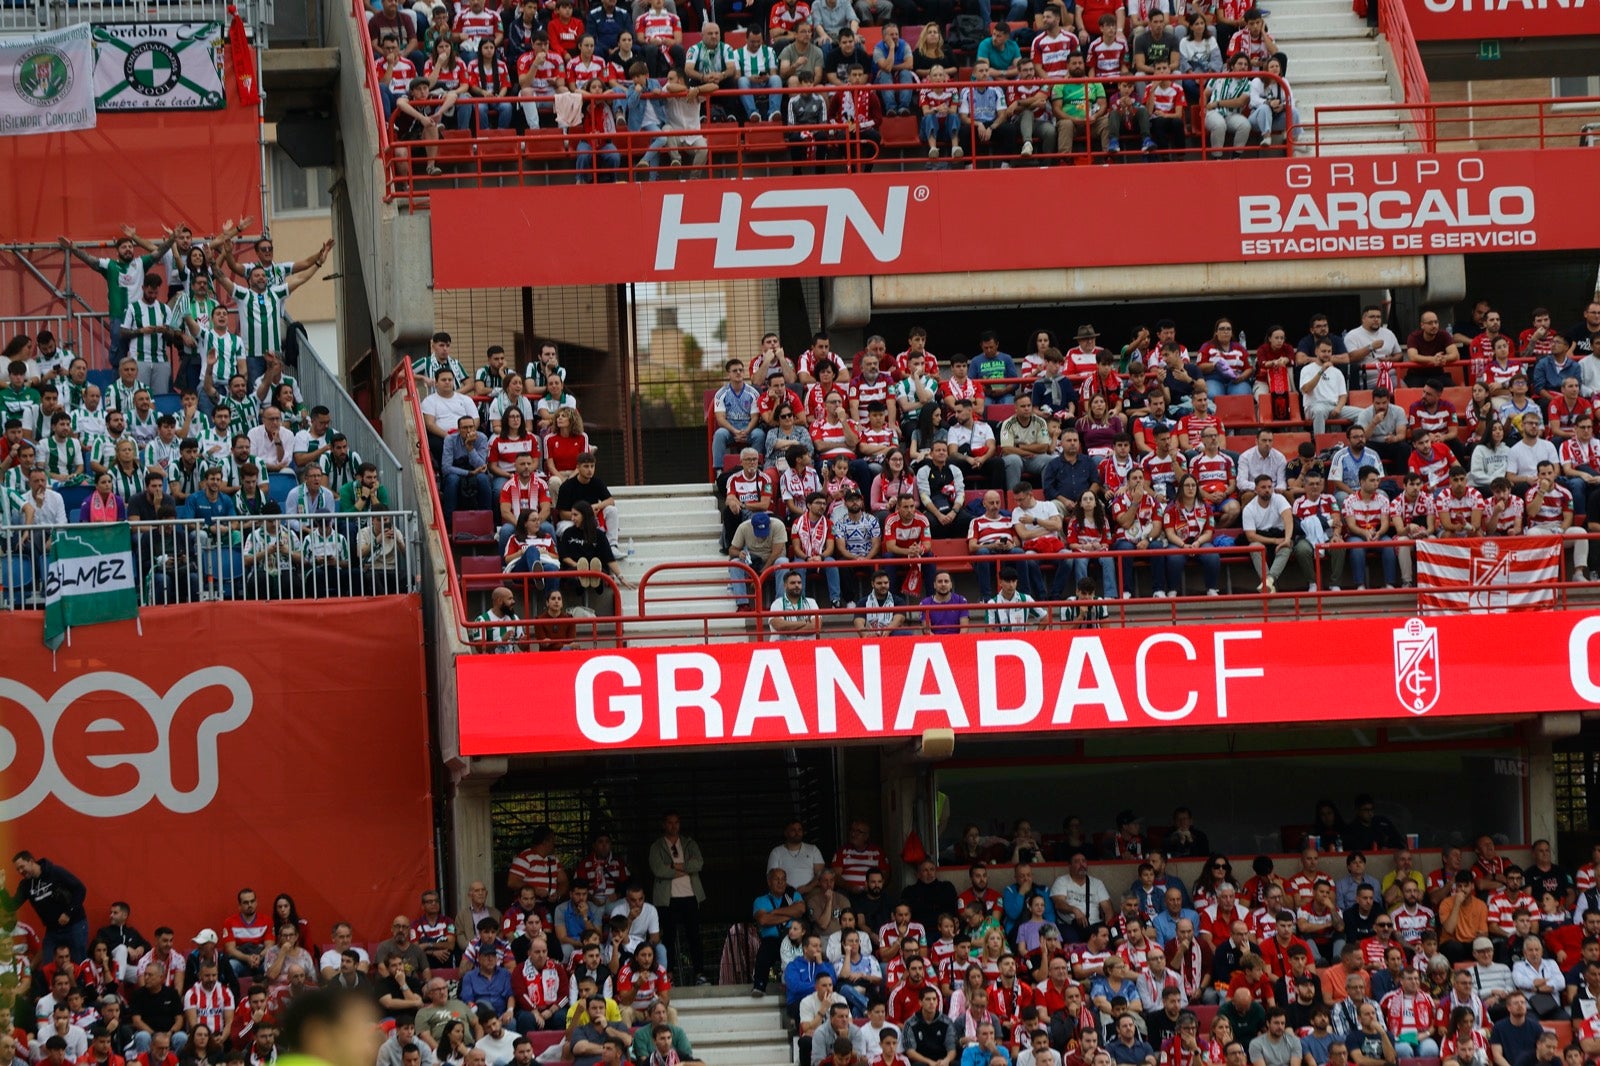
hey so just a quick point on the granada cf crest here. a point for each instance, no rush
(1416, 666)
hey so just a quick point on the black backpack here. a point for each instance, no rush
(967, 32)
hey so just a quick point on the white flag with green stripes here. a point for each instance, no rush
(158, 66)
(90, 577)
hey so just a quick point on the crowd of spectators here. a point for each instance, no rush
(578, 953)
(1272, 968)
(201, 417)
(872, 461)
(627, 74)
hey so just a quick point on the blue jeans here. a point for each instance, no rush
(723, 438)
(502, 116)
(1080, 570)
(740, 582)
(769, 105)
(451, 491)
(1158, 572)
(1018, 11)
(141, 1041)
(898, 98)
(1358, 561)
(74, 935)
(830, 577)
(987, 572)
(1222, 386)
(1210, 569)
(529, 563)
(609, 159)
(936, 128)
(856, 998)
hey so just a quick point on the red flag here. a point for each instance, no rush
(244, 61)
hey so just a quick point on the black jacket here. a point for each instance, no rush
(56, 891)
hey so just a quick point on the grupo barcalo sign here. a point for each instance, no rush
(1023, 683)
(902, 223)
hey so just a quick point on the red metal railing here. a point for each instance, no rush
(1396, 28)
(1463, 126)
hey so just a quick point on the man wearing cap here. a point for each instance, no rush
(1084, 356)
(758, 544)
(858, 538)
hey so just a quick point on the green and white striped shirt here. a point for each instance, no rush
(429, 365)
(213, 445)
(142, 428)
(15, 481)
(185, 481)
(246, 412)
(500, 633)
(163, 454)
(491, 380)
(326, 547)
(70, 393)
(119, 397)
(62, 457)
(124, 281)
(261, 317)
(283, 539)
(21, 404)
(146, 347)
(186, 307)
(339, 475)
(127, 485)
(757, 64)
(706, 60)
(230, 356)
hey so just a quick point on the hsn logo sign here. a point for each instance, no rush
(782, 227)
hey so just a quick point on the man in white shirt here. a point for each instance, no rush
(1269, 522)
(1529, 452)
(1370, 340)
(497, 1042)
(1080, 899)
(272, 444)
(442, 409)
(48, 507)
(1323, 389)
(801, 862)
(1262, 459)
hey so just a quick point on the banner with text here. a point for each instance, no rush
(1487, 575)
(283, 745)
(46, 82)
(1472, 20)
(1244, 674)
(868, 224)
(158, 66)
(90, 578)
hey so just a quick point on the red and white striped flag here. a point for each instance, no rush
(1488, 575)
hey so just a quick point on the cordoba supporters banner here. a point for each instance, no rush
(1067, 681)
(158, 66)
(172, 769)
(1257, 210)
(1487, 575)
(89, 578)
(46, 82)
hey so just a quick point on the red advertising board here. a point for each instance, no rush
(1281, 673)
(283, 747)
(865, 224)
(1471, 20)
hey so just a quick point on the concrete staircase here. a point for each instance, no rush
(1333, 62)
(728, 1028)
(676, 524)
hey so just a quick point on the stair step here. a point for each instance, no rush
(704, 1025)
(1290, 25)
(1326, 95)
(634, 492)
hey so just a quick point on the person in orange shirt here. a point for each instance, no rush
(1463, 917)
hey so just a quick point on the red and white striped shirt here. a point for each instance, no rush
(906, 535)
(1361, 513)
(548, 70)
(815, 536)
(817, 399)
(647, 985)
(209, 1004)
(1050, 54)
(657, 27)
(1164, 96)
(795, 486)
(1409, 1015)
(748, 489)
(1409, 925)
(540, 871)
(1415, 509)
(1579, 453)
(1586, 877)
(1460, 509)
(890, 935)
(1194, 521)
(928, 99)
(854, 864)
(960, 389)
(496, 81)
(782, 19)
(1114, 472)
(580, 70)
(1214, 472)
(864, 392)
(543, 988)
(1507, 519)
(886, 434)
(529, 497)
(1106, 58)
(475, 26)
(1548, 507)
(830, 439)
(989, 531)
(1502, 905)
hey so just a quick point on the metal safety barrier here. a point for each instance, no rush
(287, 557)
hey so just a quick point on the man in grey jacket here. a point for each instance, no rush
(675, 863)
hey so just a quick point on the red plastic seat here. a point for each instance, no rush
(472, 528)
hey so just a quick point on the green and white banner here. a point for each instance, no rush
(159, 66)
(46, 82)
(90, 578)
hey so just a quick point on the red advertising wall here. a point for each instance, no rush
(1470, 20)
(886, 223)
(1242, 674)
(151, 169)
(283, 747)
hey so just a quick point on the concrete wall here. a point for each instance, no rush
(1501, 127)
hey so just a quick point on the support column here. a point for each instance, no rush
(471, 827)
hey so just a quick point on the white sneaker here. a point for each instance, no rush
(1311, 587)
(1027, 148)
(1127, 595)
(1269, 585)
(1212, 592)
(933, 151)
(1580, 574)
(957, 152)
(1334, 588)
